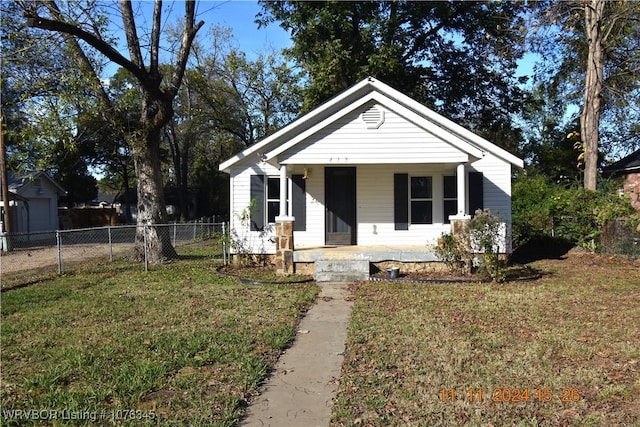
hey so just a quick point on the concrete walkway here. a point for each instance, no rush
(301, 390)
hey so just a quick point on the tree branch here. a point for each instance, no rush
(189, 33)
(155, 37)
(132, 35)
(84, 63)
(35, 21)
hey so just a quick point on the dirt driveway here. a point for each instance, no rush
(39, 258)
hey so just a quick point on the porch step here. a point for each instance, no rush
(341, 270)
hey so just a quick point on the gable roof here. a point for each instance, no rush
(16, 183)
(363, 92)
(629, 164)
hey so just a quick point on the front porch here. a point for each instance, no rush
(371, 253)
(358, 262)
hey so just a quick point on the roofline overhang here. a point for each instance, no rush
(318, 111)
(464, 139)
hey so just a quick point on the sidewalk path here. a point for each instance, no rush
(301, 390)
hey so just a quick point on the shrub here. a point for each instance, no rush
(482, 235)
(487, 237)
(541, 209)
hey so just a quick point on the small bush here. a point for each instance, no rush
(480, 239)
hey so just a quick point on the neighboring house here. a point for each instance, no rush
(627, 168)
(33, 202)
(370, 166)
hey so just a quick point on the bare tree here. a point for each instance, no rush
(157, 94)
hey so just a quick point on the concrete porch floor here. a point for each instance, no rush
(372, 253)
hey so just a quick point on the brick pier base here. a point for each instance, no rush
(284, 247)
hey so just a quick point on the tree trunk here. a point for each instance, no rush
(152, 215)
(590, 116)
(127, 200)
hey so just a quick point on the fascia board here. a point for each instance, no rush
(290, 128)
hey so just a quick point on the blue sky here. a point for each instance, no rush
(239, 15)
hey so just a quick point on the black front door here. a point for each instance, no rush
(340, 204)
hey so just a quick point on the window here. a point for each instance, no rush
(265, 195)
(421, 200)
(273, 199)
(450, 194)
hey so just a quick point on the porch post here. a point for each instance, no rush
(458, 220)
(283, 191)
(461, 180)
(284, 230)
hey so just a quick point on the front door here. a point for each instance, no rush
(340, 204)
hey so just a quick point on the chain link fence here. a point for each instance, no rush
(619, 237)
(58, 250)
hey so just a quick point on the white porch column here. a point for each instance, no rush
(458, 220)
(284, 230)
(461, 181)
(283, 212)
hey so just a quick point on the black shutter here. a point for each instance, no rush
(476, 192)
(299, 200)
(257, 197)
(401, 201)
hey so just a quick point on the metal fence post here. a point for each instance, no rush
(224, 244)
(195, 225)
(144, 240)
(110, 245)
(59, 245)
(175, 226)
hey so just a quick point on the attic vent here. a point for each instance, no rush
(373, 117)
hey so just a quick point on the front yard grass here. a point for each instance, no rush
(179, 345)
(570, 339)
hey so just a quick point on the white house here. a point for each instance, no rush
(370, 166)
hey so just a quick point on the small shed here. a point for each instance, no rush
(33, 202)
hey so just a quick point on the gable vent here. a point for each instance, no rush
(373, 117)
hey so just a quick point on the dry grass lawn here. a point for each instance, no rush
(563, 350)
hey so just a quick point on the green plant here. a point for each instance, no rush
(454, 252)
(407, 343)
(180, 340)
(242, 240)
(486, 232)
(541, 208)
(484, 235)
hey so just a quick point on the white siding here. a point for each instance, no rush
(375, 209)
(497, 185)
(314, 233)
(497, 190)
(350, 141)
(255, 241)
(375, 205)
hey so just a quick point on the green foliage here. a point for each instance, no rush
(541, 208)
(243, 241)
(457, 57)
(483, 235)
(487, 236)
(453, 251)
(180, 342)
(559, 37)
